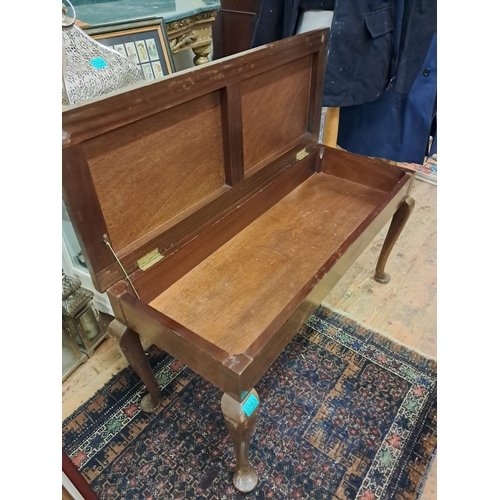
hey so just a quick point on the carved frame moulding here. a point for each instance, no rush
(192, 32)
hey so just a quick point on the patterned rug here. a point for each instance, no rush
(345, 413)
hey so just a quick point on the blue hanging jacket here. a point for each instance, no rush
(378, 51)
(397, 125)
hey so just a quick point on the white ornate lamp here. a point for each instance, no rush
(90, 69)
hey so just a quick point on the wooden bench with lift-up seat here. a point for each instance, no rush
(207, 210)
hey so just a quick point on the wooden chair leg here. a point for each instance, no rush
(398, 222)
(240, 418)
(130, 344)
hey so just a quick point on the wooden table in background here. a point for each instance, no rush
(233, 28)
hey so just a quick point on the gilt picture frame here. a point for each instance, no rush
(145, 41)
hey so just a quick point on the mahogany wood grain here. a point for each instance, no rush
(83, 207)
(378, 174)
(263, 267)
(229, 223)
(337, 264)
(278, 334)
(306, 141)
(399, 220)
(241, 427)
(131, 347)
(212, 363)
(150, 171)
(316, 93)
(114, 293)
(203, 165)
(275, 109)
(233, 27)
(144, 99)
(175, 233)
(232, 133)
(161, 143)
(236, 373)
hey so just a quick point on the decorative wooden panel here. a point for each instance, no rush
(136, 160)
(262, 269)
(156, 164)
(275, 108)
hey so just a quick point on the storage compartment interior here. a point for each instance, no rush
(236, 292)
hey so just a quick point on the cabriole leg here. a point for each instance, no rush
(399, 220)
(240, 418)
(130, 344)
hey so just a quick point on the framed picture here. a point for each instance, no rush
(145, 41)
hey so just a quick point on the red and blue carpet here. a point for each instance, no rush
(345, 414)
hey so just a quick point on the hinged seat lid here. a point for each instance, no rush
(149, 166)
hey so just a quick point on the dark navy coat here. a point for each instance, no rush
(360, 47)
(397, 125)
(376, 60)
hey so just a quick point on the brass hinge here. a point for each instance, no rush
(149, 259)
(301, 154)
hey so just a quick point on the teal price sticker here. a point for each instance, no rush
(98, 63)
(250, 404)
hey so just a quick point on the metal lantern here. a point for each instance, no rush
(89, 68)
(72, 357)
(81, 319)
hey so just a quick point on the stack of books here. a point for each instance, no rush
(427, 171)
